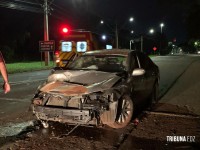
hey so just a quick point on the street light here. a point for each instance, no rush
(151, 31)
(131, 41)
(161, 26)
(131, 19)
(161, 36)
(116, 30)
(103, 37)
(132, 31)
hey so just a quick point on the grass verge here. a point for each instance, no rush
(27, 66)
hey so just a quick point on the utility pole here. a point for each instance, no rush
(46, 31)
(116, 36)
(131, 41)
(141, 43)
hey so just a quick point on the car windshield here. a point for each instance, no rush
(107, 63)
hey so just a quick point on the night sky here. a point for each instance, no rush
(87, 13)
(147, 13)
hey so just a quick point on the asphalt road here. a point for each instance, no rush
(179, 84)
(171, 68)
(23, 87)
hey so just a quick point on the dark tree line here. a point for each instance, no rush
(20, 33)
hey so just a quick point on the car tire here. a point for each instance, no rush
(124, 113)
(154, 95)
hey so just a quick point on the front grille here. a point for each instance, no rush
(63, 115)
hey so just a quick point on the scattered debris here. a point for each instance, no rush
(136, 121)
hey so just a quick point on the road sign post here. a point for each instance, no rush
(46, 47)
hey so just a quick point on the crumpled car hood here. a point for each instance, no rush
(73, 83)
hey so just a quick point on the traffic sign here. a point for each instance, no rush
(154, 48)
(47, 45)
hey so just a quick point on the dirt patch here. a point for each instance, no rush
(51, 139)
(153, 129)
(71, 142)
(158, 126)
(150, 133)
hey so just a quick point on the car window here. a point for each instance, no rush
(133, 63)
(145, 61)
(136, 65)
(108, 63)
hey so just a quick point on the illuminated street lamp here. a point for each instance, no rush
(161, 26)
(131, 41)
(131, 19)
(116, 30)
(151, 31)
(103, 37)
(132, 31)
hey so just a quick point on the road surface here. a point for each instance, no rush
(23, 87)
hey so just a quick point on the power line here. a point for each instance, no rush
(61, 9)
(17, 6)
(57, 11)
(27, 2)
(37, 1)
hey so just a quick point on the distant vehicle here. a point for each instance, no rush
(76, 43)
(98, 88)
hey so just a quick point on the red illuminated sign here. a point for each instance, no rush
(154, 48)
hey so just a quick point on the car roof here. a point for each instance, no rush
(123, 52)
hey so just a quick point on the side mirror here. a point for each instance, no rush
(138, 72)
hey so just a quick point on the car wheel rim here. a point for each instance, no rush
(125, 111)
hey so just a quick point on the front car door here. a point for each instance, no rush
(137, 83)
(150, 74)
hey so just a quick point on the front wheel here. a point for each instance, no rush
(124, 113)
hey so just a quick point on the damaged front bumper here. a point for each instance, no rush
(94, 109)
(70, 116)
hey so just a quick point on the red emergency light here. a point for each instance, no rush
(65, 30)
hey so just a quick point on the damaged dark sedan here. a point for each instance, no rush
(99, 88)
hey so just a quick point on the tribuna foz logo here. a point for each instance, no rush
(180, 138)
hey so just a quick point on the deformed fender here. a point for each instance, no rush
(108, 117)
